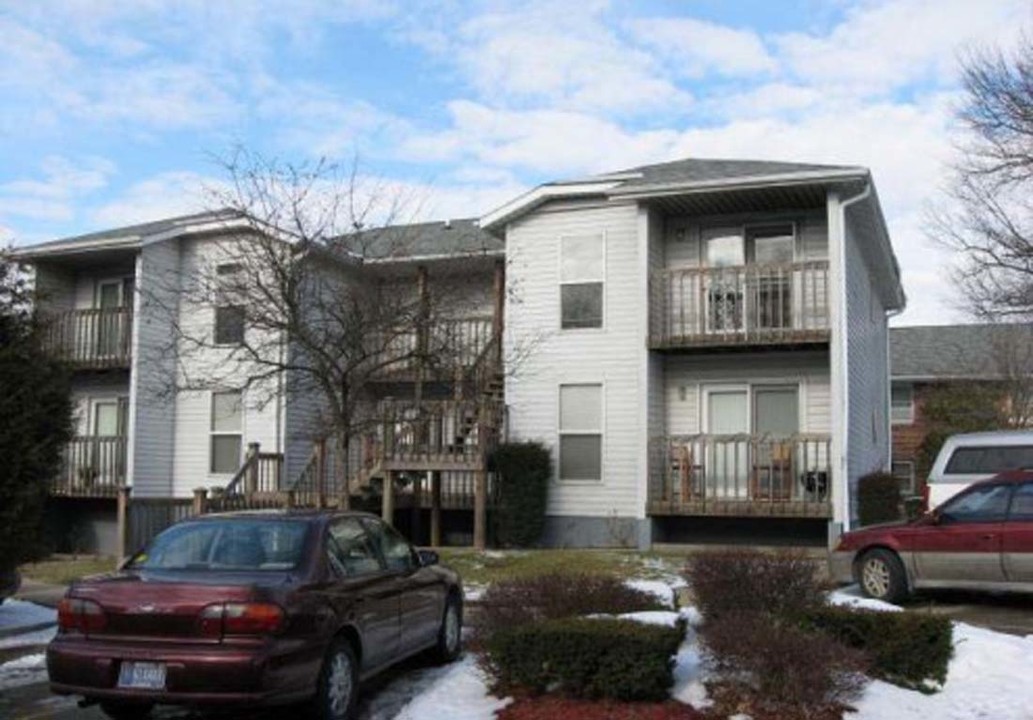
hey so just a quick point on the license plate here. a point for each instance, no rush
(142, 675)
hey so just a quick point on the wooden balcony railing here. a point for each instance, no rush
(744, 305)
(451, 345)
(433, 435)
(93, 466)
(741, 475)
(91, 338)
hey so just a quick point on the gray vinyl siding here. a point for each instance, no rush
(153, 367)
(809, 370)
(611, 356)
(55, 288)
(683, 248)
(867, 374)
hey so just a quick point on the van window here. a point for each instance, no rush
(989, 460)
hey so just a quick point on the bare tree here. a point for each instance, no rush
(988, 213)
(307, 305)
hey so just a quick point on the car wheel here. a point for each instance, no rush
(338, 683)
(126, 710)
(450, 636)
(881, 576)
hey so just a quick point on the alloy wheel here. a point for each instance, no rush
(875, 576)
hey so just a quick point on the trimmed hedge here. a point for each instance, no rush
(878, 498)
(906, 649)
(522, 472)
(783, 584)
(552, 596)
(783, 662)
(588, 658)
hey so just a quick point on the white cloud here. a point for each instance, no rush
(53, 196)
(162, 196)
(563, 56)
(883, 46)
(696, 47)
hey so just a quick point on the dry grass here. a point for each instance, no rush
(62, 570)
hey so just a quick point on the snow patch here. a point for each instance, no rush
(689, 674)
(657, 588)
(37, 637)
(653, 617)
(460, 693)
(25, 670)
(14, 613)
(851, 597)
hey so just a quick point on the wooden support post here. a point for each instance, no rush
(200, 501)
(388, 506)
(416, 532)
(435, 509)
(122, 520)
(499, 298)
(289, 500)
(480, 508)
(251, 477)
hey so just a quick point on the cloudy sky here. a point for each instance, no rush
(113, 111)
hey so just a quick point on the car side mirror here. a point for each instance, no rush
(428, 557)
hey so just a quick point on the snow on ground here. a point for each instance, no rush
(657, 588)
(851, 596)
(458, 693)
(652, 617)
(988, 678)
(37, 637)
(25, 670)
(18, 613)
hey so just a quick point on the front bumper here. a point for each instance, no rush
(195, 674)
(841, 567)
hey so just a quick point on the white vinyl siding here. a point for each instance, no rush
(685, 378)
(866, 362)
(611, 356)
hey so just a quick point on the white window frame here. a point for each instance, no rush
(894, 420)
(212, 432)
(229, 269)
(601, 236)
(750, 387)
(601, 432)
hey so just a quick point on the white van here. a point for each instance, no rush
(965, 459)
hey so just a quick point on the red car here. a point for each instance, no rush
(254, 609)
(982, 539)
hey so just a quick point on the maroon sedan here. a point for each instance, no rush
(255, 608)
(980, 539)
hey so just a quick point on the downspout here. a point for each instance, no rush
(843, 353)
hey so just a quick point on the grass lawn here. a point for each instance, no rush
(63, 570)
(484, 568)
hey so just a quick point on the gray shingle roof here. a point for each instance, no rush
(952, 351)
(703, 170)
(134, 231)
(454, 237)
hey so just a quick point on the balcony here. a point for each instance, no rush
(94, 466)
(91, 339)
(741, 475)
(452, 346)
(750, 305)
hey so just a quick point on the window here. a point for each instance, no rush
(989, 460)
(232, 543)
(350, 549)
(581, 432)
(395, 549)
(772, 245)
(581, 282)
(983, 504)
(229, 325)
(1022, 503)
(904, 471)
(227, 424)
(902, 403)
(229, 313)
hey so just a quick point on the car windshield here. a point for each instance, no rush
(231, 544)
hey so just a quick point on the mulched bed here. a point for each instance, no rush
(549, 707)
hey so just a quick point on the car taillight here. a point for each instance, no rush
(240, 619)
(83, 616)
